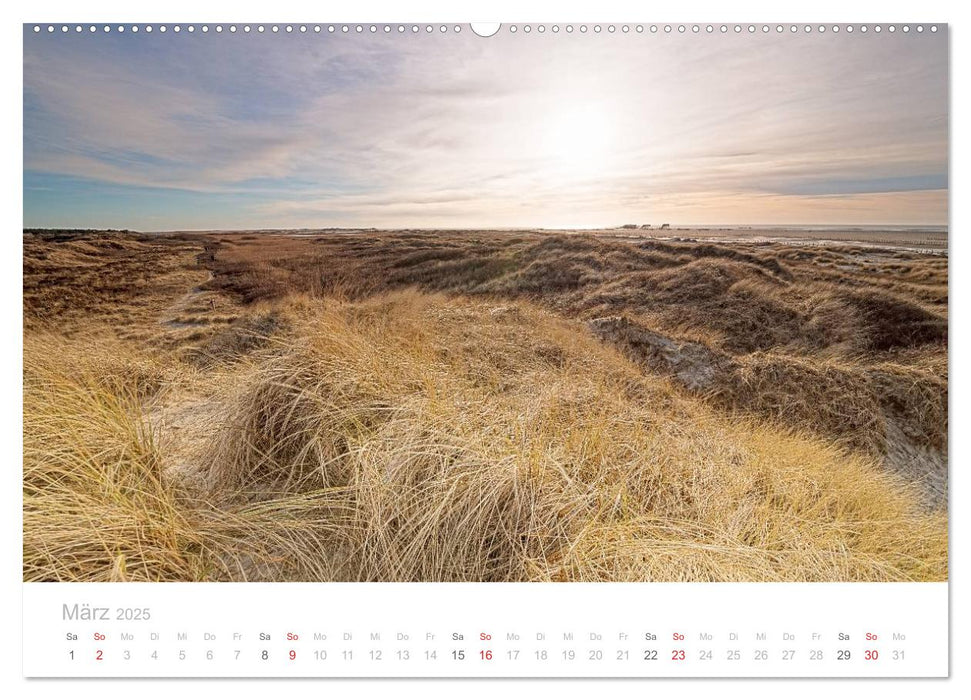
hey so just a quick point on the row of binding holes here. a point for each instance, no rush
(540, 28)
(723, 28)
(260, 28)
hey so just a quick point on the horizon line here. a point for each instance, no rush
(622, 227)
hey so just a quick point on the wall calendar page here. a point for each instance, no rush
(462, 350)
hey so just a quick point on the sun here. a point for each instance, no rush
(579, 141)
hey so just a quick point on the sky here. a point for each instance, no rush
(226, 131)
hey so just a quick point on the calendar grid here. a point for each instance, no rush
(486, 630)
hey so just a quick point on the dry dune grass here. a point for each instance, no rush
(436, 459)
(127, 280)
(99, 502)
(806, 328)
(738, 298)
(96, 503)
(343, 425)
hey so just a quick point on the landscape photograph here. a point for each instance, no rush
(404, 303)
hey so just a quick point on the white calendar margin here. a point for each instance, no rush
(510, 10)
(486, 630)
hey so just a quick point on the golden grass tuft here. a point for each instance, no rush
(99, 504)
(96, 503)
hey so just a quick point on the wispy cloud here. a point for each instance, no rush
(318, 130)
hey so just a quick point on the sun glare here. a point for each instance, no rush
(579, 141)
